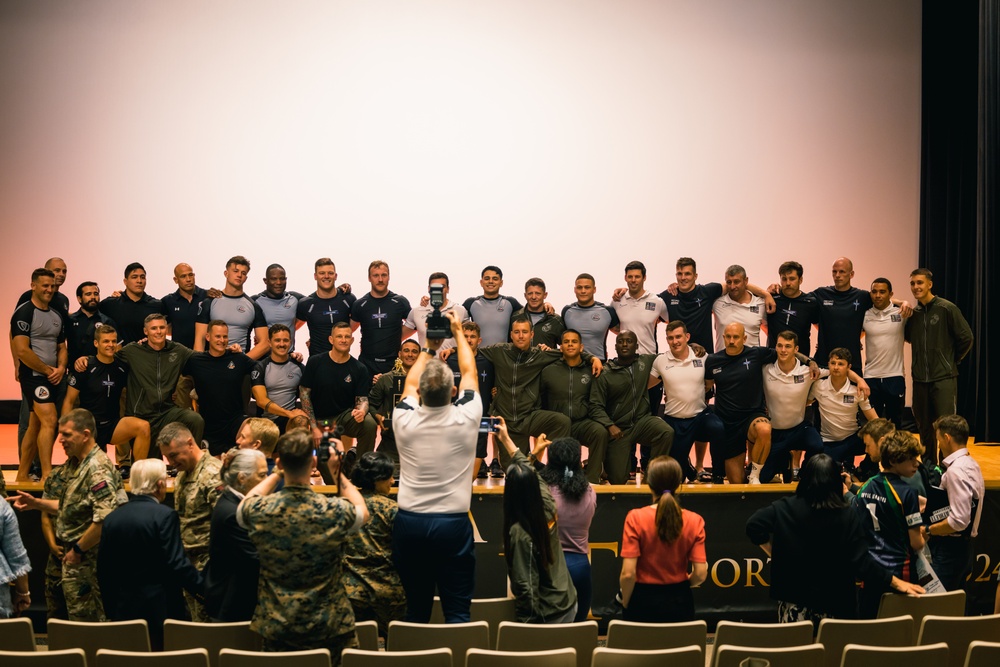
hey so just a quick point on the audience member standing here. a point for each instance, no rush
(818, 548)
(299, 535)
(432, 536)
(576, 502)
(659, 543)
(370, 577)
(233, 566)
(142, 566)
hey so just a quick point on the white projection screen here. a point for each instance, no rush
(549, 137)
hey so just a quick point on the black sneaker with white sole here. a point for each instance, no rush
(496, 470)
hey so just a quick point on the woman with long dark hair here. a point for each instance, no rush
(370, 578)
(543, 590)
(818, 548)
(575, 504)
(660, 543)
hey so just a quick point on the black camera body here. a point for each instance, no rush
(438, 326)
(323, 451)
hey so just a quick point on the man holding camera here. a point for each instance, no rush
(432, 544)
(437, 286)
(299, 535)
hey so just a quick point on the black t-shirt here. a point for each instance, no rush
(334, 386)
(100, 388)
(739, 381)
(80, 333)
(129, 315)
(320, 315)
(484, 369)
(841, 317)
(694, 309)
(381, 321)
(219, 383)
(181, 315)
(793, 314)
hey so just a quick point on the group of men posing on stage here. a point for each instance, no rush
(135, 362)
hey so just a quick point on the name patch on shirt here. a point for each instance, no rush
(698, 363)
(100, 489)
(799, 379)
(716, 371)
(754, 309)
(675, 302)
(848, 399)
(895, 318)
(827, 302)
(650, 306)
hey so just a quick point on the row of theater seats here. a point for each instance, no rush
(942, 634)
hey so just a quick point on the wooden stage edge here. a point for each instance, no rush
(986, 454)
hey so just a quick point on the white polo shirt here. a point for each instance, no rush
(787, 394)
(883, 342)
(437, 447)
(838, 410)
(640, 316)
(751, 315)
(683, 383)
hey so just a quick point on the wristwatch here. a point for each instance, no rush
(76, 547)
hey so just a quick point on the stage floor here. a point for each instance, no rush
(986, 454)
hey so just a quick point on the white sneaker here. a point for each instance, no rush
(754, 474)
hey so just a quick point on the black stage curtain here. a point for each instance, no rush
(959, 185)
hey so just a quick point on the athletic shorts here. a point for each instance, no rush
(37, 387)
(105, 430)
(734, 443)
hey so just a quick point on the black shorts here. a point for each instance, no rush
(735, 441)
(37, 387)
(481, 445)
(105, 430)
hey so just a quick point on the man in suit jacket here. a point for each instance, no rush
(233, 567)
(141, 566)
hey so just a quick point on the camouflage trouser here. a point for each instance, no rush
(383, 611)
(335, 645)
(55, 601)
(197, 607)
(80, 590)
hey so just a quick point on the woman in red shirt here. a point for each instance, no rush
(660, 541)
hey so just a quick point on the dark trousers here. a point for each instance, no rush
(579, 571)
(660, 603)
(844, 451)
(648, 430)
(887, 397)
(703, 427)
(930, 401)
(784, 441)
(435, 551)
(951, 558)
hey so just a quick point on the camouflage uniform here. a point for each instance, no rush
(55, 602)
(382, 398)
(195, 494)
(371, 580)
(302, 603)
(93, 491)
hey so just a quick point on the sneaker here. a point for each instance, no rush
(754, 473)
(706, 477)
(496, 470)
(125, 471)
(484, 472)
(754, 480)
(795, 474)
